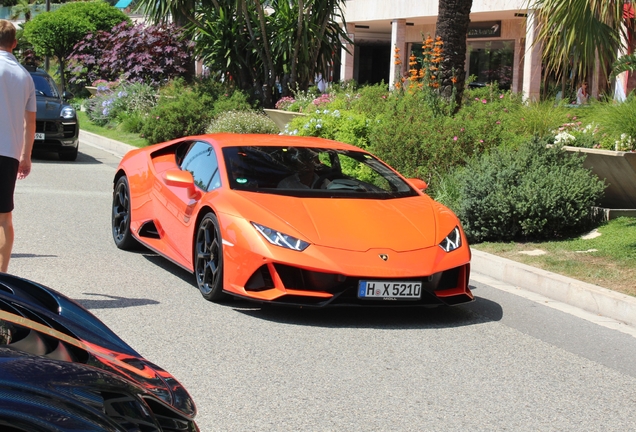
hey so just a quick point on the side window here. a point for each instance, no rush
(202, 163)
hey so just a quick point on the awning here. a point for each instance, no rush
(123, 4)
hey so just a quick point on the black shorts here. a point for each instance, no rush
(8, 177)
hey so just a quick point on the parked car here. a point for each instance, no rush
(62, 369)
(291, 220)
(57, 127)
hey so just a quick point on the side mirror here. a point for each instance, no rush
(418, 183)
(184, 179)
(66, 95)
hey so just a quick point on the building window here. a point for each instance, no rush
(490, 61)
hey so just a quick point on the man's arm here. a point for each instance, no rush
(29, 135)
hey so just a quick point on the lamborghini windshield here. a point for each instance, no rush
(319, 172)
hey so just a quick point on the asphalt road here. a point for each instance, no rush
(501, 363)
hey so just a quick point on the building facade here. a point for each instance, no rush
(501, 42)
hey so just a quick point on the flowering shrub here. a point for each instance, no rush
(284, 103)
(625, 143)
(150, 54)
(575, 134)
(117, 104)
(346, 126)
(323, 99)
(564, 138)
(243, 122)
(104, 86)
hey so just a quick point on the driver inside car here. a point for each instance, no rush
(304, 162)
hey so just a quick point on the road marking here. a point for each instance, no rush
(563, 307)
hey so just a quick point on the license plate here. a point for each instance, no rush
(390, 290)
(39, 136)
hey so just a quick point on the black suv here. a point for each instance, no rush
(57, 128)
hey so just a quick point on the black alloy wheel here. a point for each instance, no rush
(208, 259)
(121, 216)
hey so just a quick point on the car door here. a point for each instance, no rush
(181, 199)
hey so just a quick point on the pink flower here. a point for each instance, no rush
(454, 138)
(462, 130)
(481, 141)
(501, 96)
(484, 101)
(497, 122)
(477, 99)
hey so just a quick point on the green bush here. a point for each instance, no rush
(618, 122)
(419, 142)
(346, 126)
(230, 101)
(176, 115)
(533, 192)
(539, 119)
(243, 122)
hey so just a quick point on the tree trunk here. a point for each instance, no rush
(452, 26)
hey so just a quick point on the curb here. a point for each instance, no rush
(589, 297)
(111, 146)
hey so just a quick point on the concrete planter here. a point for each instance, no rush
(619, 171)
(281, 118)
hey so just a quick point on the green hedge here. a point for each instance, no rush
(532, 192)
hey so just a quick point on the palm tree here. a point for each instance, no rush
(22, 7)
(453, 18)
(575, 33)
(257, 41)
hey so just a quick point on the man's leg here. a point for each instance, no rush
(8, 176)
(6, 240)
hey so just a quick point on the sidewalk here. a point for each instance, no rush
(591, 298)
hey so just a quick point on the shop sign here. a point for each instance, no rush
(484, 29)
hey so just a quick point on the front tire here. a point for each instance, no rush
(120, 217)
(208, 259)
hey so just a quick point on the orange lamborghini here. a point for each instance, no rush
(290, 220)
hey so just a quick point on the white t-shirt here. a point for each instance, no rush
(17, 95)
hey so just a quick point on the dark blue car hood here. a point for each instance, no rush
(55, 354)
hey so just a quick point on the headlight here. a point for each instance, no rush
(280, 239)
(68, 112)
(452, 241)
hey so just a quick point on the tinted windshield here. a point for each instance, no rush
(319, 172)
(44, 86)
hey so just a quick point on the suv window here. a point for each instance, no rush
(45, 86)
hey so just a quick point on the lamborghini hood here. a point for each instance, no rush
(400, 224)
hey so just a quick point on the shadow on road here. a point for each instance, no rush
(480, 311)
(391, 318)
(113, 302)
(51, 157)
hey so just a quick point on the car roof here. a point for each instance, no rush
(36, 71)
(269, 140)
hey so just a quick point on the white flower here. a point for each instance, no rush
(564, 138)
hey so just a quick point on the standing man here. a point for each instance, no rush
(17, 131)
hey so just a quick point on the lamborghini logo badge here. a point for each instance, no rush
(384, 257)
